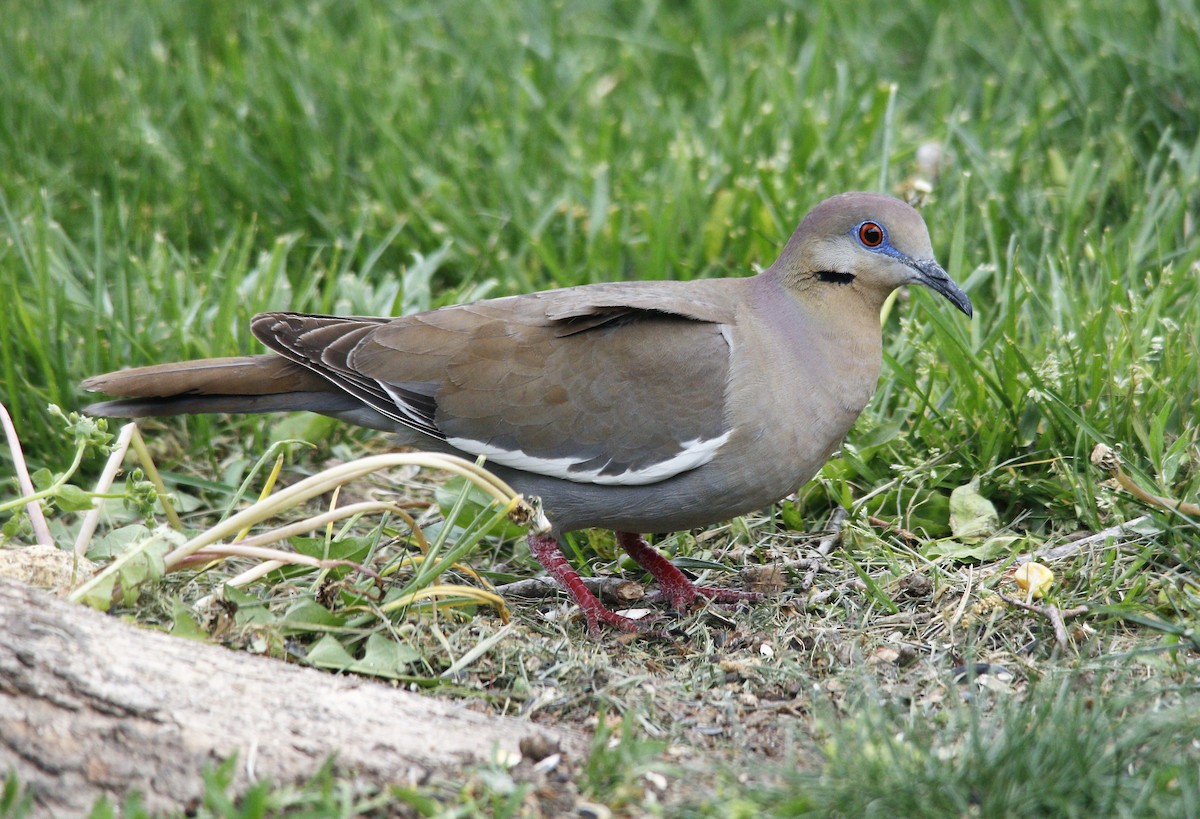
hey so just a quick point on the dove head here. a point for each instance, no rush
(867, 243)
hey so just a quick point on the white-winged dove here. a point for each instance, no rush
(641, 407)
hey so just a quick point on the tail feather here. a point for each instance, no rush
(325, 403)
(264, 383)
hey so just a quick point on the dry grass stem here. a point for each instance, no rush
(36, 519)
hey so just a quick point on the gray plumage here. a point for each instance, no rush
(640, 407)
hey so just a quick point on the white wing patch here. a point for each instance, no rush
(410, 415)
(694, 453)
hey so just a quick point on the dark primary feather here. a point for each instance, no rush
(515, 374)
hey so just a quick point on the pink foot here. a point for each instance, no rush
(674, 585)
(547, 551)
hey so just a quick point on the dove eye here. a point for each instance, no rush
(871, 234)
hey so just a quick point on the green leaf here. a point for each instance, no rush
(116, 542)
(307, 614)
(139, 562)
(385, 657)
(70, 498)
(880, 435)
(354, 549)
(145, 567)
(791, 516)
(925, 512)
(345, 548)
(993, 548)
(382, 656)
(250, 610)
(16, 527)
(329, 653)
(972, 516)
(99, 596)
(301, 426)
(183, 624)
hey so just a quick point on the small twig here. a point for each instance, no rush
(1056, 622)
(833, 533)
(481, 648)
(888, 526)
(609, 589)
(808, 565)
(36, 519)
(1051, 612)
(817, 598)
(963, 601)
(129, 436)
(1104, 457)
(915, 618)
(811, 565)
(1068, 549)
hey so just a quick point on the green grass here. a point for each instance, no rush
(1066, 749)
(172, 168)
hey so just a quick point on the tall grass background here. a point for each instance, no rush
(167, 169)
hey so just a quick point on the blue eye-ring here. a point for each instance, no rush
(871, 234)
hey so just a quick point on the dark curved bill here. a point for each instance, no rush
(930, 274)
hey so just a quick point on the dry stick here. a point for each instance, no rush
(129, 436)
(1051, 612)
(540, 588)
(888, 526)
(1105, 458)
(904, 618)
(40, 530)
(1068, 549)
(812, 565)
(833, 533)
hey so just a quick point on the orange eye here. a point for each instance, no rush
(870, 234)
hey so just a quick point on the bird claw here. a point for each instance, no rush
(729, 595)
(683, 598)
(673, 585)
(680, 592)
(599, 614)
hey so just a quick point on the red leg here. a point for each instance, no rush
(674, 584)
(547, 551)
